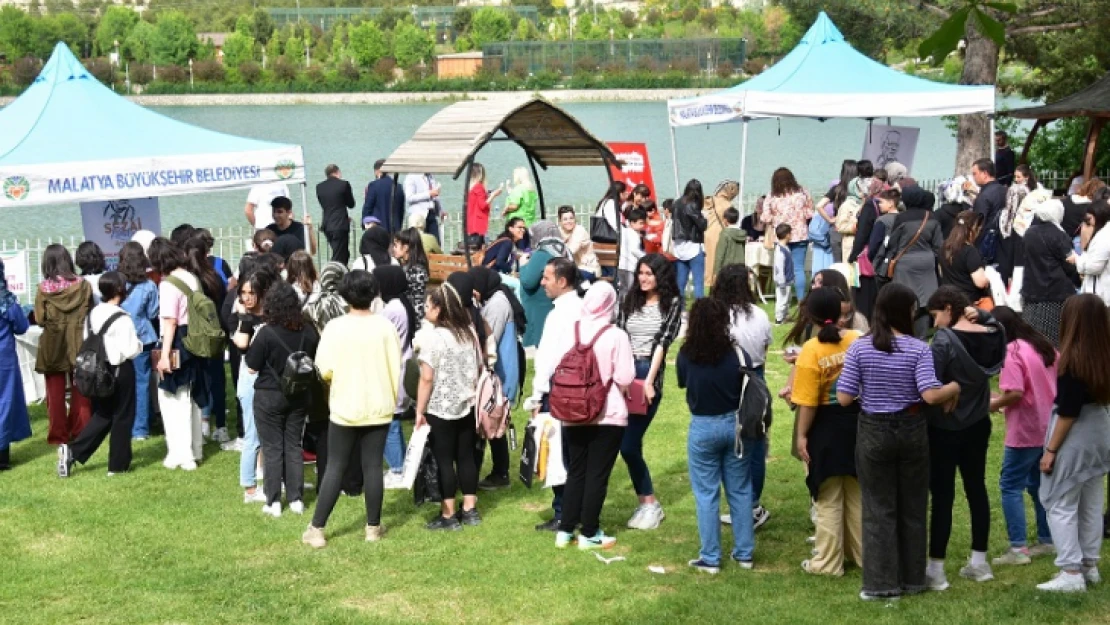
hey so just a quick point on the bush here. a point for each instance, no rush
(647, 63)
(173, 74)
(314, 73)
(753, 67)
(585, 65)
(102, 70)
(554, 66)
(284, 69)
(250, 72)
(519, 69)
(708, 18)
(690, 13)
(142, 74)
(383, 69)
(628, 19)
(686, 65)
(209, 71)
(614, 68)
(654, 17)
(348, 70)
(725, 69)
(25, 71)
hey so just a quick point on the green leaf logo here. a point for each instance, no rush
(285, 169)
(17, 188)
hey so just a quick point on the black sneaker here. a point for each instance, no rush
(469, 517)
(450, 524)
(494, 482)
(548, 526)
(65, 460)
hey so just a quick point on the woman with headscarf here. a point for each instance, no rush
(912, 248)
(326, 305)
(504, 315)
(1049, 278)
(1094, 263)
(855, 219)
(399, 310)
(715, 207)
(549, 244)
(953, 202)
(15, 423)
(374, 249)
(592, 447)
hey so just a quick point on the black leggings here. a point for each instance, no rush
(342, 441)
(499, 450)
(966, 451)
(453, 445)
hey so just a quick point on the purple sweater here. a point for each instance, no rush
(885, 382)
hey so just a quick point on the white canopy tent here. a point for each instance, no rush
(824, 77)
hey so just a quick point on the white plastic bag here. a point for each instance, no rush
(998, 288)
(1014, 300)
(414, 454)
(551, 429)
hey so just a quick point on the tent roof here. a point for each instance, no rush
(824, 77)
(1092, 101)
(447, 141)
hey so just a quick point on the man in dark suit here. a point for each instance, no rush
(1005, 161)
(335, 197)
(376, 204)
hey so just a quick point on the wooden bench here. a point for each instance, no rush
(442, 265)
(606, 257)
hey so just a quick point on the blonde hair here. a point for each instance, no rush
(477, 174)
(521, 178)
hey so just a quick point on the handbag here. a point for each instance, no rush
(893, 263)
(601, 231)
(528, 456)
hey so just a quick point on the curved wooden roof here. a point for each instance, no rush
(1092, 101)
(450, 138)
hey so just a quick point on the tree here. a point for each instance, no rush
(115, 25)
(262, 25)
(488, 26)
(294, 50)
(137, 45)
(460, 20)
(174, 40)
(16, 32)
(243, 26)
(388, 18)
(867, 24)
(73, 31)
(525, 31)
(366, 43)
(338, 42)
(273, 47)
(412, 45)
(238, 49)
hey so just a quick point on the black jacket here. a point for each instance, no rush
(376, 203)
(991, 201)
(335, 197)
(689, 223)
(1049, 277)
(954, 363)
(946, 216)
(865, 222)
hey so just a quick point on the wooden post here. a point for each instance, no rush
(539, 187)
(1041, 123)
(1097, 124)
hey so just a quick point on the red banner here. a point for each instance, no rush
(637, 167)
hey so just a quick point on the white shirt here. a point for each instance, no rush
(560, 321)
(632, 249)
(686, 250)
(261, 195)
(1094, 265)
(608, 210)
(752, 333)
(120, 341)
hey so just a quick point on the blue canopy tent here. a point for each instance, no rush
(68, 138)
(824, 77)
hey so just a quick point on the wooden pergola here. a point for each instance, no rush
(1093, 102)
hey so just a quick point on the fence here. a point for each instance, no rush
(440, 17)
(568, 57)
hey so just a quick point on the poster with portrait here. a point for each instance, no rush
(887, 144)
(110, 224)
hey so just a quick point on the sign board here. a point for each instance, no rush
(887, 144)
(637, 166)
(111, 224)
(15, 271)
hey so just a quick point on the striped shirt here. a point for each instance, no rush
(648, 328)
(885, 382)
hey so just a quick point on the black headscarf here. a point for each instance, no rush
(375, 244)
(462, 284)
(916, 198)
(488, 283)
(394, 286)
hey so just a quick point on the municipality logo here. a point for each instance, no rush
(285, 169)
(17, 188)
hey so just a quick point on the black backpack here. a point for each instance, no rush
(299, 376)
(93, 375)
(753, 418)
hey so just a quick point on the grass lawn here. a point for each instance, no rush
(158, 546)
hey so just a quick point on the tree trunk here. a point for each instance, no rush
(973, 140)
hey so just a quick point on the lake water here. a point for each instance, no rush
(355, 136)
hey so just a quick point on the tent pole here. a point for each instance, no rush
(990, 141)
(743, 164)
(674, 160)
(620, 220)
(304, 217)
(466, 195)
(539, 187)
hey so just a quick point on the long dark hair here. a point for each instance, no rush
(848, 172)
(707, 332)
(823, 310)
(693, 194)
(830, 278)
(666, 284)
(1018, 329)
(616, 188)
(57, 263)
(783, 183)
(301, 271)
(1100, 210)
(133, 263)
(196, 252)
(1030, 179)
(1084, 343)
(733, 288)
(411, 238)
(453, 314)
(894, 310)
(260, 281)
(865, 169)
(948, 297)
(164, 256)
(281, 307)
(963, 234)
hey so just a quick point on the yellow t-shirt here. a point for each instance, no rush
(817, 369)
(360, 358)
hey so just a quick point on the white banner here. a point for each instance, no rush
(887, 144)
(117, 179)
(704, 110)
(111, 224)
(15, 271)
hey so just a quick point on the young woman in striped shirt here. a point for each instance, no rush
(651, 315)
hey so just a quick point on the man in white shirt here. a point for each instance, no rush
(560, 277)
(422, 198)
(115, 413)
(257, 209)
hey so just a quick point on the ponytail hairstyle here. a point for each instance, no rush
(964, 233)
(1018, 329)
(197, 247)
(410, 238)
(823, 310)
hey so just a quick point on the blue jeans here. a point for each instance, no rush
(395, 445)
(1021, 471)
(711, 458)
(798, 254)
(142, 393)
(759, 456)
(632, 445)
(217, 390)
(694, 267)
(251, 444)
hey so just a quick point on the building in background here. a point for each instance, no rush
(461, 65)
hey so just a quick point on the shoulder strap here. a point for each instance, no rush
(107, 324)
(916, 236)
(590, 345)
(273, 332)
(180, 284)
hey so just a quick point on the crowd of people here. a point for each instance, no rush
(328, 364)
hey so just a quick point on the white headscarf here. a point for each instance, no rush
(1051, 212)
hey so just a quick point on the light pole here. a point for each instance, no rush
(190, 74)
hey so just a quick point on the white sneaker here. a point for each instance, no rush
(936, 582)
(760, 516)
(977, 572)
(256, 497)
(1091, 574)
(233, 445)
(205, 429)
(637, 516)
(726, 519)
(393, 481)
(296, 507)
(653, 515)
(188, 466)
(1065, 582)
(273, 509)
(221, 435)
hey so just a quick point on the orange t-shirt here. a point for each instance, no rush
(653, 233)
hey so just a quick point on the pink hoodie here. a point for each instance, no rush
(613, 349)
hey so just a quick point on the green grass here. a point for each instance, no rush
(158, 546)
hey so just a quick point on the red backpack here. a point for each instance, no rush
(578, 394)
